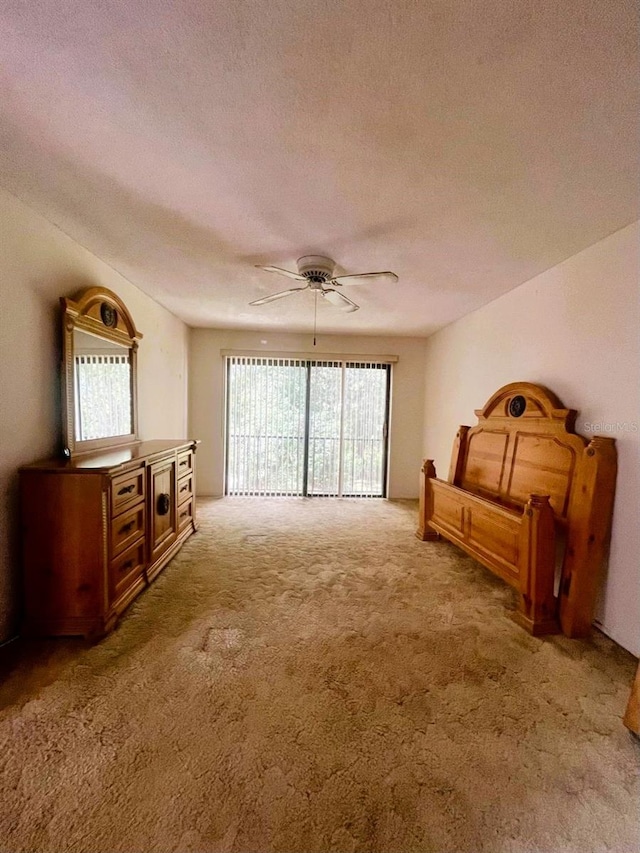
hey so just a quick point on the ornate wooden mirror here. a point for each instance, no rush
(100, 345)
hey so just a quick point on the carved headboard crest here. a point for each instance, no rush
(526, 400)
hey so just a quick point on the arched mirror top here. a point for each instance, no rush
(99, 377)
(101, 312)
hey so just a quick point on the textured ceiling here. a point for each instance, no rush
(467, 146)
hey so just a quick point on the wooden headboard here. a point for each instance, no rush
(524, 444)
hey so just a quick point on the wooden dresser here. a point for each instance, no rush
(98, 528)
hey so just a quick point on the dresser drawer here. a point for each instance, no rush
(185, 489)
(126, 528)
(185, 463)
(126, 568)
(127, 490)
(185, 515)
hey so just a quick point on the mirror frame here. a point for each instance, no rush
(101, 313)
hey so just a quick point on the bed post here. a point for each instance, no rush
(589, 526)
(425, 511)
(538, 610)
(458, 456)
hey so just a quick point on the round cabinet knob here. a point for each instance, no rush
(163, 504)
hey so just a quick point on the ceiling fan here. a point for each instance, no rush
(318, 274)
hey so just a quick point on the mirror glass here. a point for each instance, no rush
(102, 377)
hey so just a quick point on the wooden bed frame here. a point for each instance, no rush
(520, 483)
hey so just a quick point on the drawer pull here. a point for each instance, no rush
(127, 527)
(126, 489)
(185, 488)
(126, 566)
(184, 513)
(163, 504)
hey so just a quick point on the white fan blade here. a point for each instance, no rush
(293, 275)
(273, 296)
(365, 278)
(339, 300)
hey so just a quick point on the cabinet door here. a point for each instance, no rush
(162, 490)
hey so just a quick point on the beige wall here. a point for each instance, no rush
(575, 329)
(206, 401)
(38, 264)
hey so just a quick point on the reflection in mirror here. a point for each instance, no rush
(103, 386)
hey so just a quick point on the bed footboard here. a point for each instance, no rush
(517, 546)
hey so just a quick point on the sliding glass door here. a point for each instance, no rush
(296, 427)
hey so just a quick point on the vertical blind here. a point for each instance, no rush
(325, 428)
(306, 427)
(265, 447)
(365, 434)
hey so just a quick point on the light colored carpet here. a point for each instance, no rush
(308, 676)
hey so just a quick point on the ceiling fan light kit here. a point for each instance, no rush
(318, 273)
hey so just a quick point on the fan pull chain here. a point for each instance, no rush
(315, 315)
